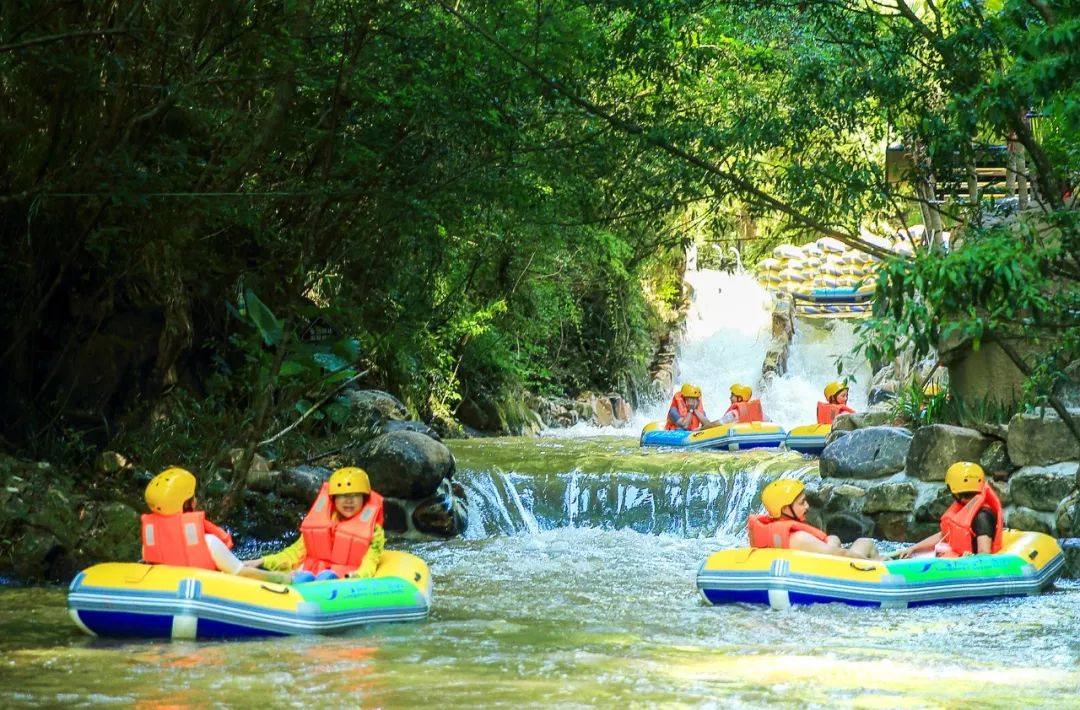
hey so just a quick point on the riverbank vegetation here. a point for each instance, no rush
(215, 215)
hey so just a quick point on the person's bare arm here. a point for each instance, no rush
(921, 546)
(805, 542)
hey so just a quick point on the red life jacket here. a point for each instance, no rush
(180, 539)
(776, 532)
(956, 522)
(680, 404)
(747, 411)
(827, 411)
(332, 543)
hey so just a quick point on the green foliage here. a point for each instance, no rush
(1009, 283)
(379, 160)
(919, 408)
(469, 226)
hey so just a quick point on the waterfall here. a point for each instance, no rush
(585, 477)
(712, 498)
(728, 331)
(818, 343)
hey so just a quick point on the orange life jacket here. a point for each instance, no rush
(680, 404)
(332, 543)
(827, 411)
(956, 522)
(180, 539)
(747, 411)
(776, 532)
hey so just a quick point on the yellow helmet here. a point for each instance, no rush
(689, 390)
(349, 480)
(780, 493)
(834, 388)
(965, 477)
(932, 389)
(169, 490)
(741, 391)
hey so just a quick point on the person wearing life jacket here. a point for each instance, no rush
(687, 410)
(835, 404)
(973, 523)
(341, 536)
(784, 525)
(175, 533)
(743, 408)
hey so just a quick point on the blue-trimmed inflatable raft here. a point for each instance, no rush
(1028, 563)
(808, 439)
(161, 601)
(726, 437)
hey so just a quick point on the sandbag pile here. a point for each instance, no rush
(827, 277)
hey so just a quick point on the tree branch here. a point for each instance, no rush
(48, 39)
(313, 408)
(739, 184)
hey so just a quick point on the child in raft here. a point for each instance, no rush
(784, 526)
(744, 408)
(687, 411)
(835, 404)
(973, 523)
(175, 533)
(341, 536)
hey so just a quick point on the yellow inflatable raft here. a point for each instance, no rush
(162, 601)
(808, 439)
(1028, 563)
(724, 437)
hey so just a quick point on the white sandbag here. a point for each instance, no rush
(915, 231)
(830, 245)
(787, 251)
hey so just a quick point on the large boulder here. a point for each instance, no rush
(848, 526)
(891, 497)
(603, 412)
(1038, 439)
(445, 514)
(358, 416)
(375, 406)
(875, 415)
(932, 503)
(406, 464)
(936, 447)
(995, 460)
(1043, 487)
(1063, 516)
(874, 452)
(411, 425)
(837, 496)
(603, 409)
(302, 483)
(504, 415)
(1028, 519)
(895, 526)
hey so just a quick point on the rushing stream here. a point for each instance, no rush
(574, 587)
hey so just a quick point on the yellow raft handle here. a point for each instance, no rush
(279, 590)
(855, 566)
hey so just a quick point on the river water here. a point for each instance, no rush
(574, 587)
